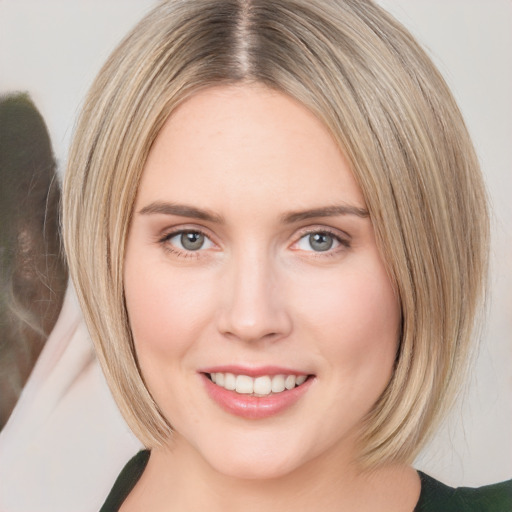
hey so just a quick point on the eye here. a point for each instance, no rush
(319, 241)
(189, 241)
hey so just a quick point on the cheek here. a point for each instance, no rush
(166, 307)
(355, 314)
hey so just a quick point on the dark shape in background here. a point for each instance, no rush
(33, 275)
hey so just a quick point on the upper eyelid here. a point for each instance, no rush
(341, 235)
(165, 234)
(338, 233)
(163, 238)
(344, 240)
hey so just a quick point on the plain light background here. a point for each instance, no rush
(53, 49)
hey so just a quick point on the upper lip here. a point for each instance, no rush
(253, 371)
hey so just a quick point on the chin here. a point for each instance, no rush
(254, 468)
(253, 460)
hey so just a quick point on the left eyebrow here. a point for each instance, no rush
(328, 211)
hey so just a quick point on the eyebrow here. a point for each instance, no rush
(182, 210)
(328, 211)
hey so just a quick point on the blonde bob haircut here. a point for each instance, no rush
(360, 72)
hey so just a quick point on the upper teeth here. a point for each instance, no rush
(263, 385)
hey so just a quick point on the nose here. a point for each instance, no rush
(254, 305)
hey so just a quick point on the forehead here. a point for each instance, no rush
(247, 141)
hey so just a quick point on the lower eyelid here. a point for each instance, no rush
(339, 240)
(165, 239)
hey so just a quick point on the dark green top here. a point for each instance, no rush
(434, 497)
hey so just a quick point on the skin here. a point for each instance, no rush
(257, 292)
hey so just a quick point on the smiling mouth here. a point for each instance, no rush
(264, 385)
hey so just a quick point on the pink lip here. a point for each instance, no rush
(255, 407)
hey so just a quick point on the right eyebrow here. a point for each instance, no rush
(181, 210)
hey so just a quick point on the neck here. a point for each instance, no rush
(178, 478)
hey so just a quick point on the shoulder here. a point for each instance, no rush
(126, 481)
(438, 497)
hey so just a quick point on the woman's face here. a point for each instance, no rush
(251, 260)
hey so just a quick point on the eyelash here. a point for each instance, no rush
(164, 241)
(344, 243)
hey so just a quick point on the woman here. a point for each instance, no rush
(278, 233)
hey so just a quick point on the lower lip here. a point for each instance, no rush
(255, 407)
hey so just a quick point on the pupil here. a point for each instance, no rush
(321, 241)
(192, 241)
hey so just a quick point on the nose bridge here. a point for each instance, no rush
(254, 303)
